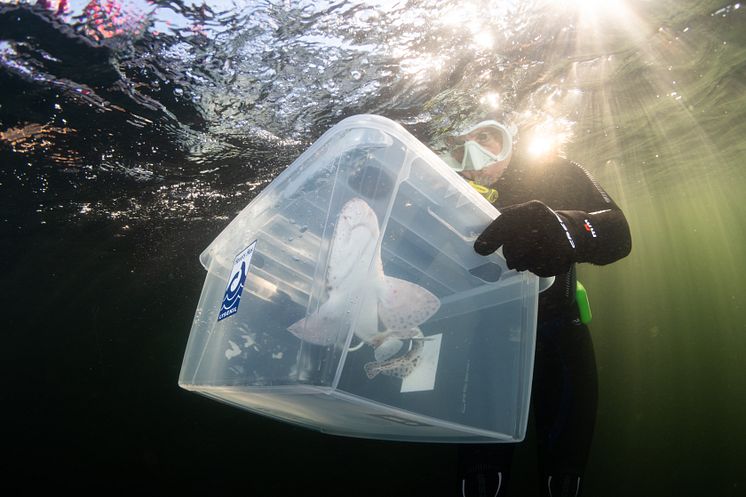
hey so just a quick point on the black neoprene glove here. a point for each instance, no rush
(533, 238)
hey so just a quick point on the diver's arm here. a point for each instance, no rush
(583, 225)
(598, 226)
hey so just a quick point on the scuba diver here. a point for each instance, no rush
(553, 214)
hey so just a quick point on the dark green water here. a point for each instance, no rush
(669, 332)
(123, 157)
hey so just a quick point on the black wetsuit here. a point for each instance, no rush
(564, 390)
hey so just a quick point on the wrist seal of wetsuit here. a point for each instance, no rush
(533, 238)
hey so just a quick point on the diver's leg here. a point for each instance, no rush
(483, 469)
(565, 394)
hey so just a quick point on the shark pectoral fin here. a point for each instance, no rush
(372, 369)
(403, 305)
(400, 367)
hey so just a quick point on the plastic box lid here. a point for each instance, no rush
(347, 297)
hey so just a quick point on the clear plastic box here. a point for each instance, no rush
(347, 297)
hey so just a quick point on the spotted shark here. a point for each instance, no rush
(401, 306)
(402, 365)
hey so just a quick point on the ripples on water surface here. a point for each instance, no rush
(144, 114)
(179, 107)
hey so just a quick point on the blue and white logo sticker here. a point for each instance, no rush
(233, 292)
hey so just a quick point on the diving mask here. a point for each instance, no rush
(468, 150)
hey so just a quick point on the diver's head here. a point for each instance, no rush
(480, 152)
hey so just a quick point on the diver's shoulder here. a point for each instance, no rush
(528, 161)
(545, 167)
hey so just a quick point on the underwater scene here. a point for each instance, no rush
(132, 132)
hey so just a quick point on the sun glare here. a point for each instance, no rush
(459, 15)
(484, 39)
(470, 17)
(491, 99)
(541, 144)
(591, 6)
(595, 17)
(548, 137)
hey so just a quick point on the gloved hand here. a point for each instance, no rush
(533, 237)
